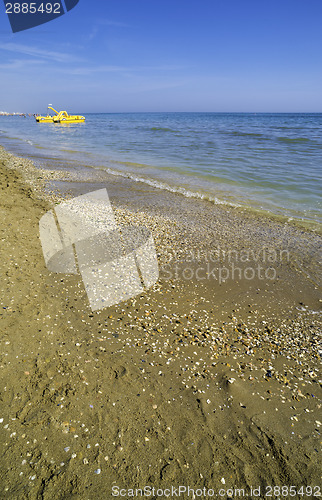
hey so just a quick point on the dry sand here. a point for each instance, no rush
(197, 383)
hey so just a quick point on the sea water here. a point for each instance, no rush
(267, 162)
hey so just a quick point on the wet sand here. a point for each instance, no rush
(201, 381)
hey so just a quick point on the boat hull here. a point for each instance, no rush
(71, 120)
(44, 119)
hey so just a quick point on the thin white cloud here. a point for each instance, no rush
(86, 70)
(38, 52)
(20, 63)
(105, 22)
(109, 22)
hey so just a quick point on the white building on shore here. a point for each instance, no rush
(5, 113)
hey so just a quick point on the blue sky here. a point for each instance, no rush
(178, 55)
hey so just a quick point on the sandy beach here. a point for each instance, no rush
(209, 380)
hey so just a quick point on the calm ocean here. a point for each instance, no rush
(268, 162)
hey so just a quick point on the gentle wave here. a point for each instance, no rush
(294, 140)
(167, 187)
(246, 134)
(207, 197)
(164, 129)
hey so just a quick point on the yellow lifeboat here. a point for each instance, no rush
(60, 117)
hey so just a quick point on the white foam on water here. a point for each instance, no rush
(167, 187)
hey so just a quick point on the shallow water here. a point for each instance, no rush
(268, 162)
